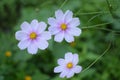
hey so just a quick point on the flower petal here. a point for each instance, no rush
(77, 69)
(58, 69)
(61, 61)
(68, 57)
(52, 21)
(46, 35)
(34, 24)
(75, 59)
(74, 22)
(20, 35)
(25, 26)
(68, 16)
(59, 14)
(74, 31)
(41, 27)
(32, 48)
(42, 44)
(70, 74)
(63, 73)
(23, 44)
(69, 38)
(54, 30)
(59, 37)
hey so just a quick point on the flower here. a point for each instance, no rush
(68, 66)
(64, 26)
(33, 36)
(28, 78)
(8, 53)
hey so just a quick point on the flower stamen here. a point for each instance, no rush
(33, 35)
(63, 26)
(69, 65)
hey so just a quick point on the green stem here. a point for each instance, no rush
(97, 58)
(63, 4)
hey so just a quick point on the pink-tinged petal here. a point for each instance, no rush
(54, 30)
(20, 35)
(75, 59)
(69, 38)
(68, 57)
(63, 73)
(41, 27)
(32, 48)
(77, 69)
(52, 21)
(34, 24)
(70, 74)
(46, 35)
(59, 14)
(25, 26)
(74, 22)
(61, 62)
(42, 44)
(68, 16)
(59, 37)
(58, 69)
(23, 44)
(74, 31)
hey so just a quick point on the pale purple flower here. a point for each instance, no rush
(33, 36)
(68, 66)
(64, 26)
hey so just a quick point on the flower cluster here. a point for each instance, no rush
(33, 36)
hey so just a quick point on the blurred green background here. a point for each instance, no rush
(100, 24)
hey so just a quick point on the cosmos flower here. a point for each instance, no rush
(64, 26)
(68, 66)
(33, 36)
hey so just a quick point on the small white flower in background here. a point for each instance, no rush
(68, 66)
(64, 26)
(33, 36)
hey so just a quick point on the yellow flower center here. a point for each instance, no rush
(70, 65)
(63, 26)
(33, 35)
(28, 78)
(8, 53)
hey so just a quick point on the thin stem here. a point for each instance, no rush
(63, 4)
(97, 58)
(95, 25)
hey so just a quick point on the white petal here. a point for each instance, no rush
(77, 69)
(68, 16)
(58, 69)
(20, 35)
(68, 57)
(70, 74)
(63, 73)
(46, 35)
(42, 44)
(52, 21)
(32, 48)
(25, 26)
(54, 30)
(74, 22)
(61, 61)
(23, 44)
(69, 38)
(75, 59)
(34, 24)
(59, 37)
(41, 27)
(74, 31)
(59, 14)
